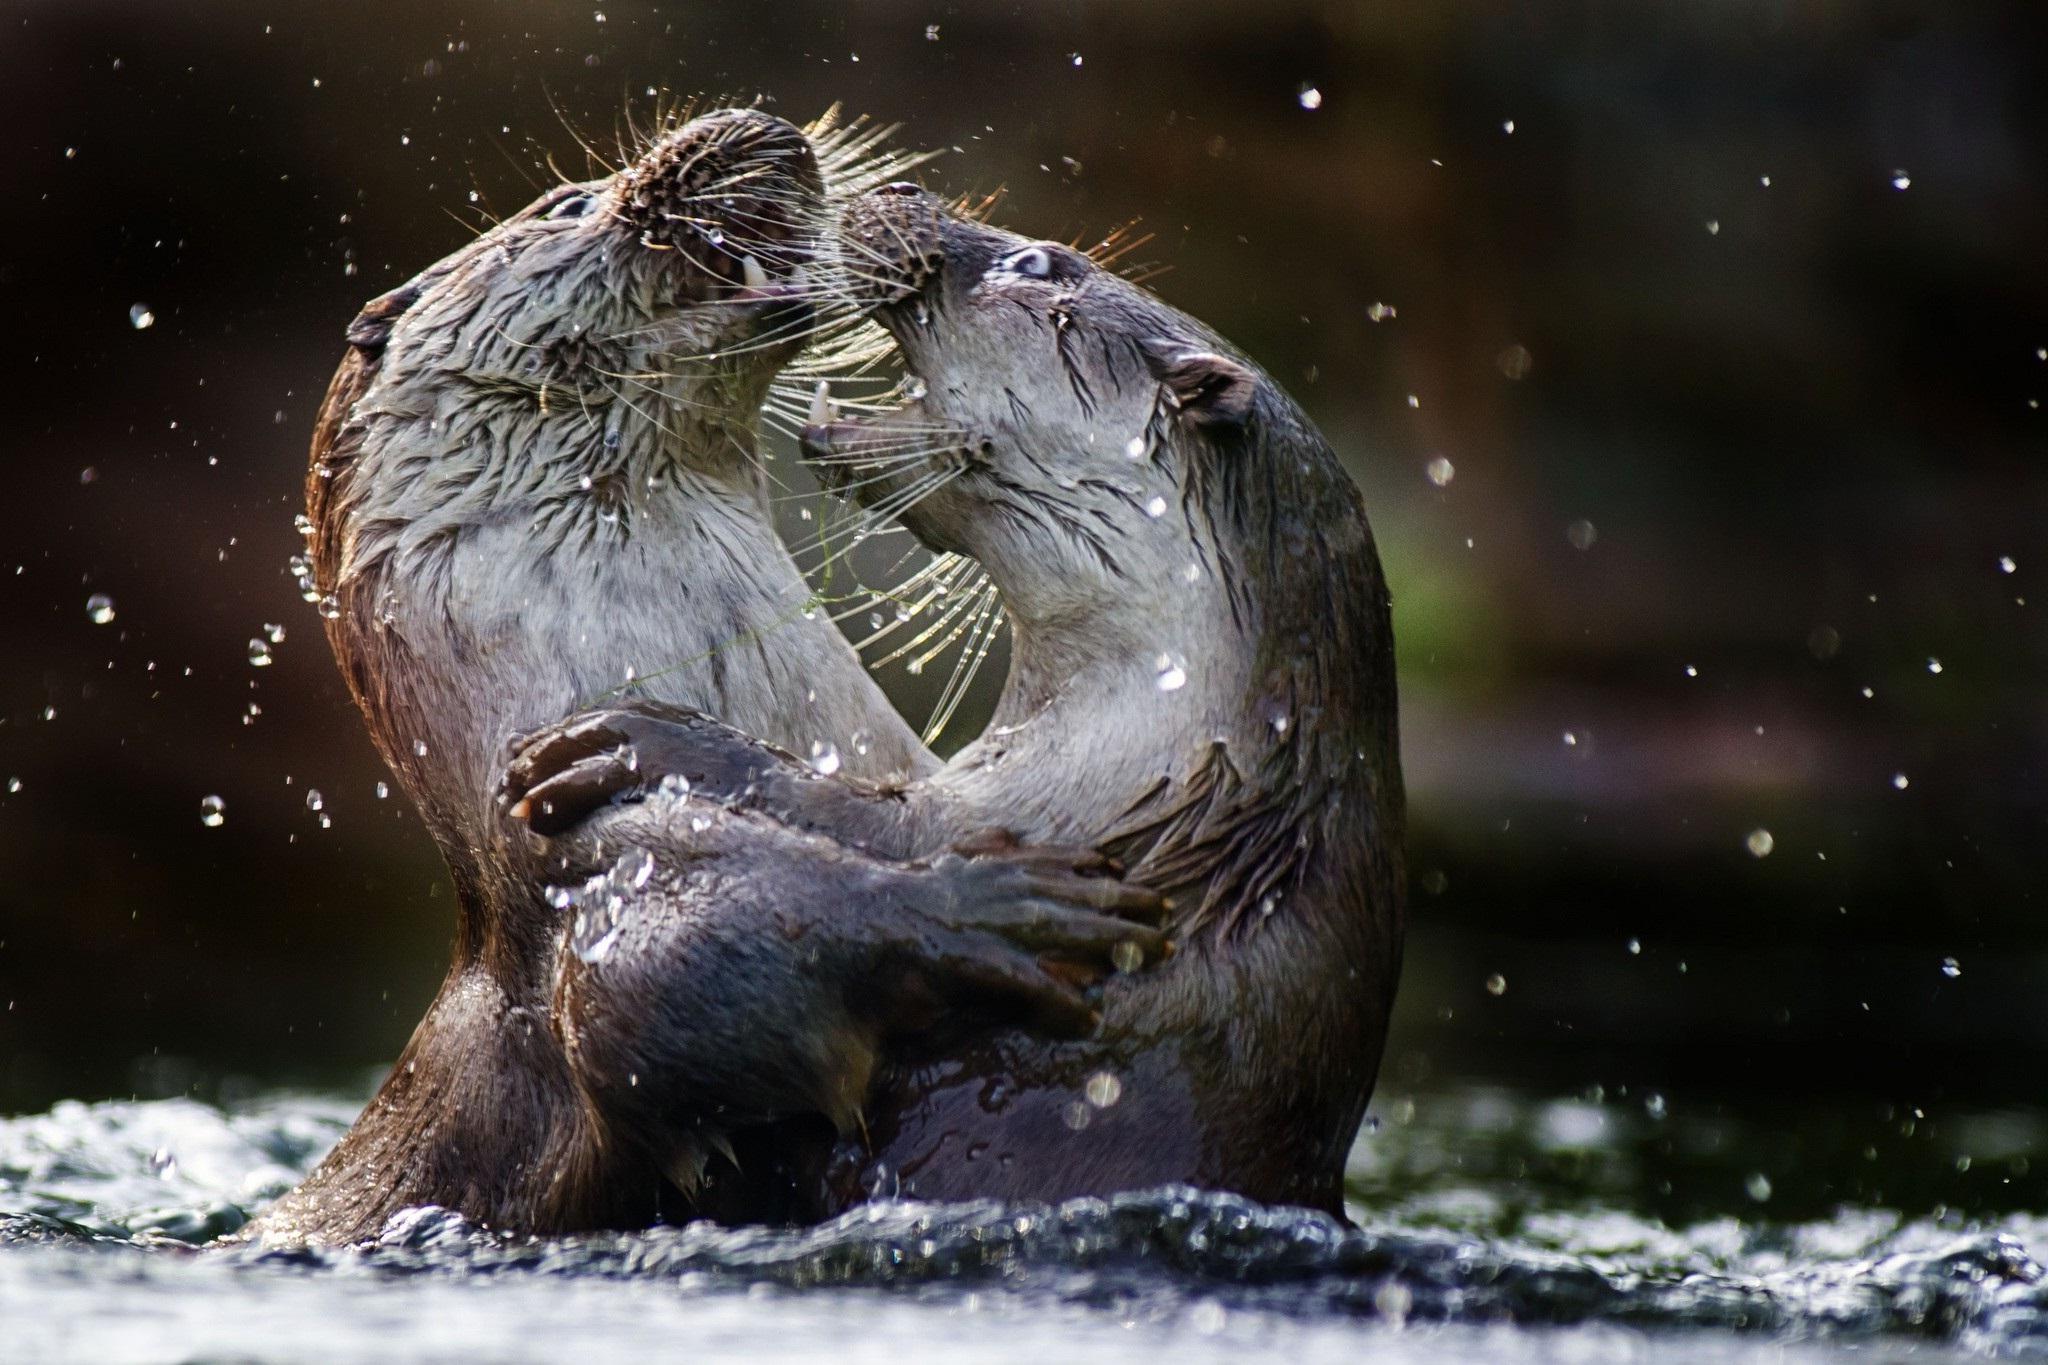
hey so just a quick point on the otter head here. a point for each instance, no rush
(1106, 457)
(566, 350)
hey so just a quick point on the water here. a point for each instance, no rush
(1489, 1224)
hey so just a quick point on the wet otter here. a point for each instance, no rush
(1202, 682)
(533, 477)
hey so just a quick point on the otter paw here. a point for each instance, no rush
(565, 772)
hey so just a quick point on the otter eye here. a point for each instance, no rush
(1033, 262)
(575, 206)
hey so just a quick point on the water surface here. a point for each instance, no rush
(1489, 1223)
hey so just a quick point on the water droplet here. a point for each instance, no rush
(2006, 564)
(213, 812)
(383, 790)
(862, 742)
(1134, 449)
(13, 785)
(1582, 534)
(1758, 1186)
(1655, 1106)
(99, 608)
(274, 634)
(1170, 673)
(259, 654)
(1951, 968)
(1308, 97)
(1192, 573)
(1077, 1115)
(1496, 984)
(1713, 227)
(1900, 181)
(140, 317)
(1127, 956)
(1760, 843)
(1508, 126)
(825, 756)
(931, 33)
(1103, 1089)
(1933, 665)
(1571, 740)
(1380, 312)
(1901, 781)
(419, 748)
(1515, 362)
(1692, 670)
(314, 801)
(1077, 58)
(1155, 506)
(1440, 471)
(1635, 947)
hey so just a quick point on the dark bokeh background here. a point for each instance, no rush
(1728, 319)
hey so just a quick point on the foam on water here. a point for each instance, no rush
(102, 1206)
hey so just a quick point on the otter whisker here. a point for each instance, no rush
(988, 625)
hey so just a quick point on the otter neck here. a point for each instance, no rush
(673, 588)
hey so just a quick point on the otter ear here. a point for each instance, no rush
(1211, 389)
(372, 327)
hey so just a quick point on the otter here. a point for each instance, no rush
(535, 477)
(1201, 684)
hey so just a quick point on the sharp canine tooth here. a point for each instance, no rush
(821, 404)
(752, 273)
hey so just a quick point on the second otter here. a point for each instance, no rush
(1202, 681)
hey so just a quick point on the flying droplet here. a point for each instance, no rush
(1440, 471)
(1760, 843)
(1933, 665)
(1900, 181)
(259, 654)
(1582, 534)
(1103, 1089)
(1155, 506)
(213, 812)
(1951, 968)
(2006, 564)
(99, 608)
(314, 800)
(1170, 674)
(1901, 781)
(1127, 956)
(1496, 984)
(931, 33)
(1309, 97)
(383, 790)
(140, 317)
(1758, 1186)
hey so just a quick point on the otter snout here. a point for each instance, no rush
(735, 193)
(893, 242)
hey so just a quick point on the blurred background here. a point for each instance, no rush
(1690, 356)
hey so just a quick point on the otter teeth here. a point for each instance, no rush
(824, 411)
(752, 274)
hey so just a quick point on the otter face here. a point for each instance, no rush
(1056, 409)
(612, 337)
